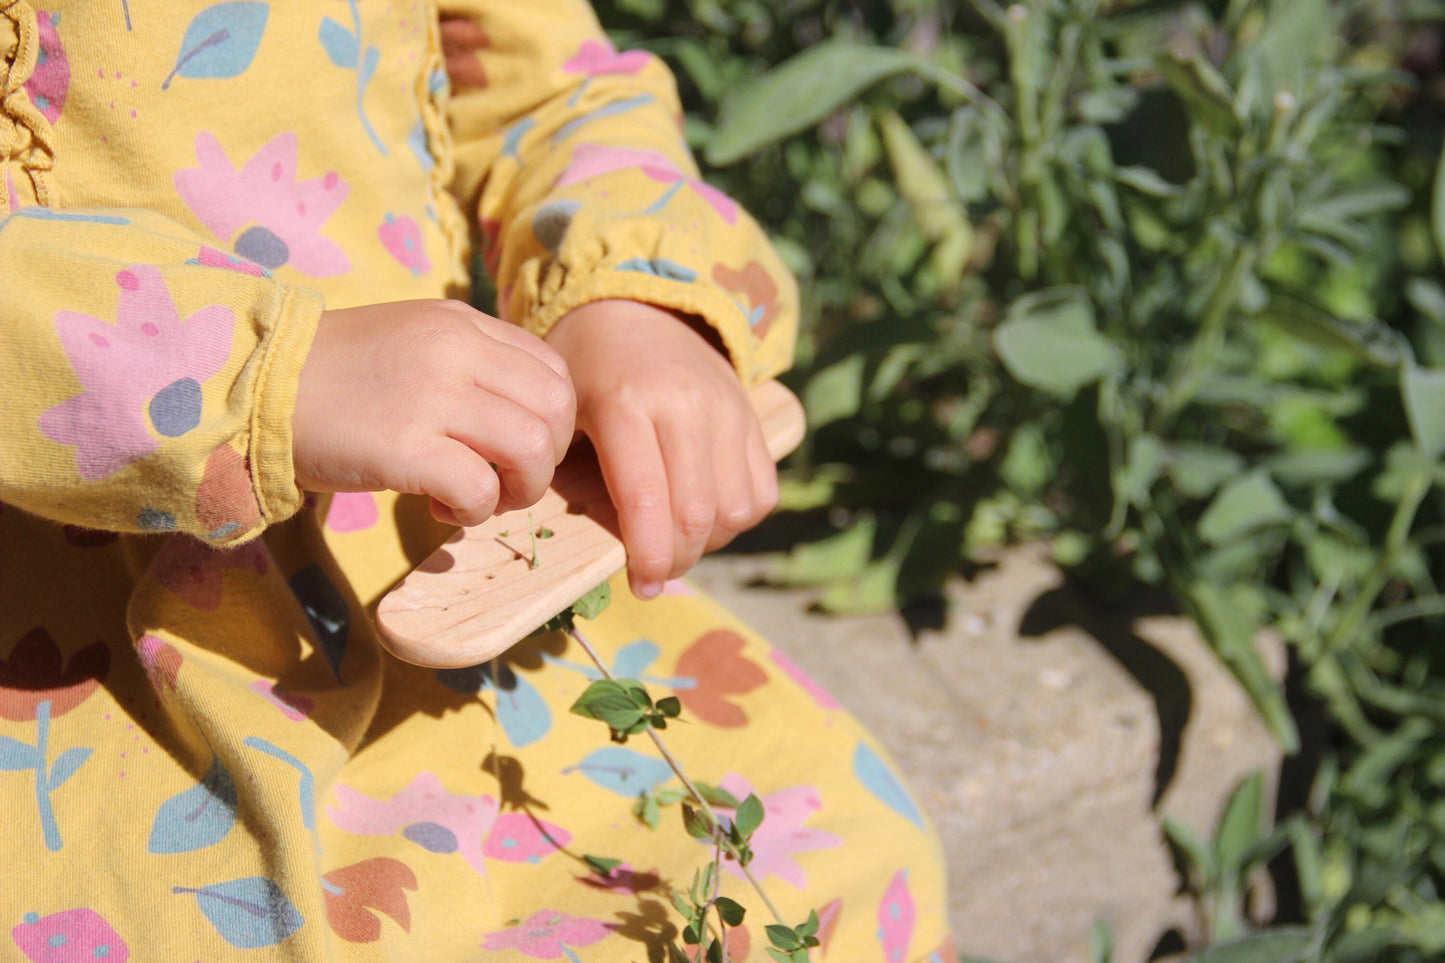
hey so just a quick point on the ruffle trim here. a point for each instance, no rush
(432, 93)
(26, 137)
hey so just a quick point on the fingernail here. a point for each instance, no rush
(648, 590)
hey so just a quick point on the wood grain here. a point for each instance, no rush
(481, 593)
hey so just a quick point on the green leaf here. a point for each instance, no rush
(716, 795)
(1324, 466)
(809, 927)
(800, 92)
(1199, 861)
(1247, 503)
(1281, 945)
(835, 392)
(602, 864)
(1229, 628)
(1052, 345)
(1198, 470)
(594, 603)
(610, 702)
(1205, 93)
(1101, 942)
(732, 912)
(783, 937)
(1371, 341)
(1142, 468)
(1146, 180)
(923, 185)
(750, 815)
(839, 556)
(670, 706)
(697, 822)
(1240, 825)
(1424, 393)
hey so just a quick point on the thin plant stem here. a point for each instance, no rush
(677, 769)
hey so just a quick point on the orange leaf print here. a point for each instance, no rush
(717, 663)
(354, 892)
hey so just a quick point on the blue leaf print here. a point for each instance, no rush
(65, 766)
(16, 755)
(248, 913)
(345, 50)
(606, 110)
(634, 658)
(523, 714)
(341, 44)
(307, 789)
(199, 817)
(878, 779)
(221, 41)
(623, 771)
(512, 143)
(659, 267)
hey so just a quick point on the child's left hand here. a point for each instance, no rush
(679, 446)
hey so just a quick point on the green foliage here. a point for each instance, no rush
(1158, 281)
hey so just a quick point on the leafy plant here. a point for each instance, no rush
(1157, 282)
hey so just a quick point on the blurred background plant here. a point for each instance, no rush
(1159, 283)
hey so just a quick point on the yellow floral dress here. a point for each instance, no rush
(204, 753)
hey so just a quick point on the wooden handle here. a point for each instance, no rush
(481, 593)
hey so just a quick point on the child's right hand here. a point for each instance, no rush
(426, 397)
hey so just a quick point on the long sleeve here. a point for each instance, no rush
(569, 157)
(147, 378)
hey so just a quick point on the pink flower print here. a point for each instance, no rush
(402, 239)
(293, 706)
(600, 57)
(210, 257)
(518, 838)
(49, 82)
(782, 834)
(352, 512)
(71, 936)
(896, 916)
(196, 572)
(262, 211)
(596, 160)
(425, 813)
(12, 197)
(149, 363)
(162, 662)
(548, 934)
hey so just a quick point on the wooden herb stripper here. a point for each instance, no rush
(493, 584)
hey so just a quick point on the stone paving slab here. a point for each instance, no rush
(1030, 727)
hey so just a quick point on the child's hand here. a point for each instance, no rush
(420, 396)
(679, 445)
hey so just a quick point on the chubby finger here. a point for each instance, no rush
(764, 474)
(736, 511)
(516, 337)
(687, 452)
(636, 477)
(457, 478)
(524, 380)
(521, 446)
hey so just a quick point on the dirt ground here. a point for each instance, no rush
(1045, 735)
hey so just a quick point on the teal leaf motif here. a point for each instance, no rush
(16, 755)
(221, 41)
(341, 44)
(65, 766)
(307, 789)
(198, 817)
(248, 913)
(659, 267)
(879, 780)
(623, 771)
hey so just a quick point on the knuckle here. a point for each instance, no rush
(737, 517)
(644, 499)
(556, 403)
(695, 521)
(533, 447)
